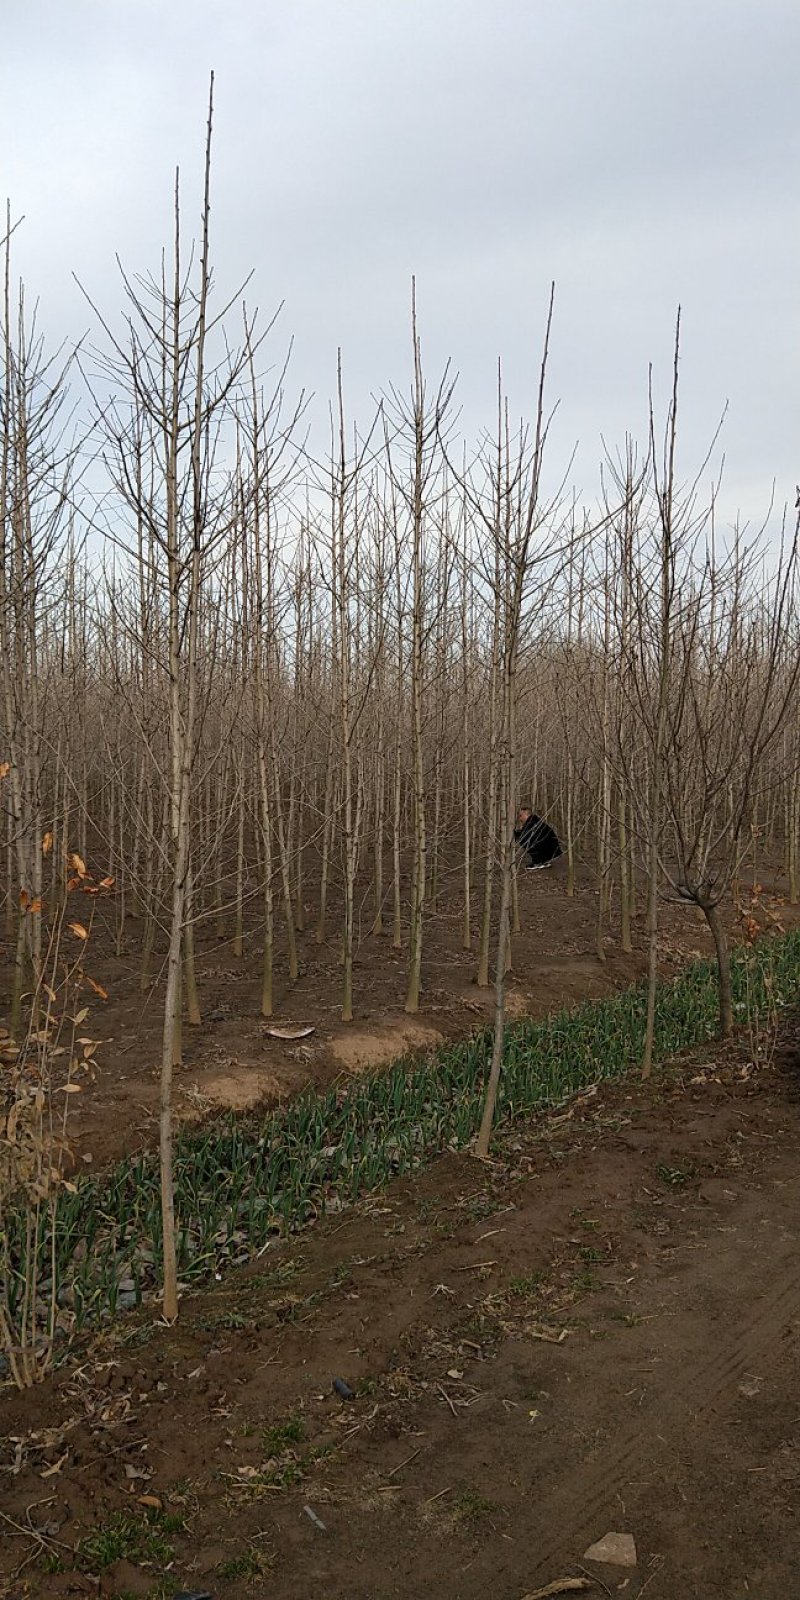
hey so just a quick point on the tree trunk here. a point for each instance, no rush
(720, 937)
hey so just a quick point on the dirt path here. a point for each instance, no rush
(658, 1227)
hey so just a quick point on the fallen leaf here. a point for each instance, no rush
(78, 929)
(151, 1500)
(49, 1472)
(289, 1033)
(750, 1387)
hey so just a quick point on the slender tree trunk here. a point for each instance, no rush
(238, 933)
(193, 1013)
(482, 976)
(720, 937)
(493, 1084)
(417, 749)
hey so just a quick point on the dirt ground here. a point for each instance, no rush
(230, 1062)
(596, 1333)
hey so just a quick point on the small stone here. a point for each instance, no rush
(613, 1550)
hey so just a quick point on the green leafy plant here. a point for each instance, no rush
(131, 1536)
(238, 1184)
(283, 1435)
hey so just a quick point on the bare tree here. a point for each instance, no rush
(173, 403)
(518, 521)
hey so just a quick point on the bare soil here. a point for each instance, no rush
(231, 1063)
(598, 1332)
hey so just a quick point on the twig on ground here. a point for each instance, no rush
(445, 1396)
(406, 1463)
(561, 1586)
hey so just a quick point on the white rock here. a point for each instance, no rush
(613, 1550)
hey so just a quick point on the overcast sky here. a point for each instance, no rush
(640, 152)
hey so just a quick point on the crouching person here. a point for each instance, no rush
(537, 841)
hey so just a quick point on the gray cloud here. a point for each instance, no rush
(640, 153)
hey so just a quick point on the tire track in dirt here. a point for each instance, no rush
(557, 1532)
(765, 1329)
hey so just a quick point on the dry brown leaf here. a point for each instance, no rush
(98, 987)
(49, 1472)
(78, 929)
(290, 1033)
(151, 1500)
(5, 768)
(78, 864)
(47, 843)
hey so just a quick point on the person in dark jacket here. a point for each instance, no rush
(536, 839)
